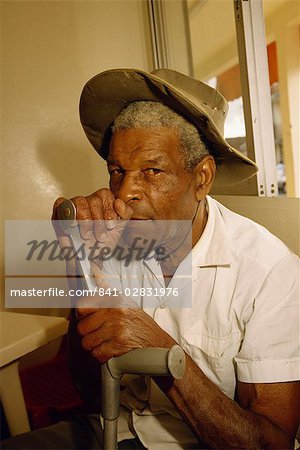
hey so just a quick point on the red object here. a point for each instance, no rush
(50, 393)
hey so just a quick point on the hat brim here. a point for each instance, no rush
(106, 94)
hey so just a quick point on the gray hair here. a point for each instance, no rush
(148, 114)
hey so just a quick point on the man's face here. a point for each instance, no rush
(147, 172)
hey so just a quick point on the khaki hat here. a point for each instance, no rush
(106, 94)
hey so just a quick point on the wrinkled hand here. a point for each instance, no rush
(101, 219)
(109, 326)
(113, 331)
(101, 205)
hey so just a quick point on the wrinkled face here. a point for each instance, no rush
(147, 171)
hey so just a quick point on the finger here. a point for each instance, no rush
(83, 211)
(83, 216)
(107, 198)
(107, 349)
(123, 210)
(109, 214)
(91, 340)
(105, 334)
(95, 203)
(103, 209)
(100, 336)
(111, 237)
(91, 322)
(102, 352)
(115, 228)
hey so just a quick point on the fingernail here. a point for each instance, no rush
(103, 237)
(89, 235)
(110, 224)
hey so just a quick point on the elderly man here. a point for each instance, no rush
(161, 135)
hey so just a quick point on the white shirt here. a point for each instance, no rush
(242, 322)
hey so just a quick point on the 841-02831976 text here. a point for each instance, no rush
(138, 292)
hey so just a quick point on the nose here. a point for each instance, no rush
(129, 189)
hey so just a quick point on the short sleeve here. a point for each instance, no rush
(270, 348)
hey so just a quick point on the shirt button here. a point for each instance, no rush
(162, 306)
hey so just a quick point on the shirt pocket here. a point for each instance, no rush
(210, 351)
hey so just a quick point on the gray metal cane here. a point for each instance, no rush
(142, 361)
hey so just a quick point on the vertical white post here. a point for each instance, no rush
(252, 50)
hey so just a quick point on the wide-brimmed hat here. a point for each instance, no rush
(106, 94)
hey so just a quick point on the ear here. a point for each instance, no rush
(205, 174)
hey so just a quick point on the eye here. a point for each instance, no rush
(116, 171)
(152, 171)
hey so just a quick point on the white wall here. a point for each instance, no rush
(49, 50)
(281, 216)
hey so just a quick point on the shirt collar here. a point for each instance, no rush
(212, 249)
